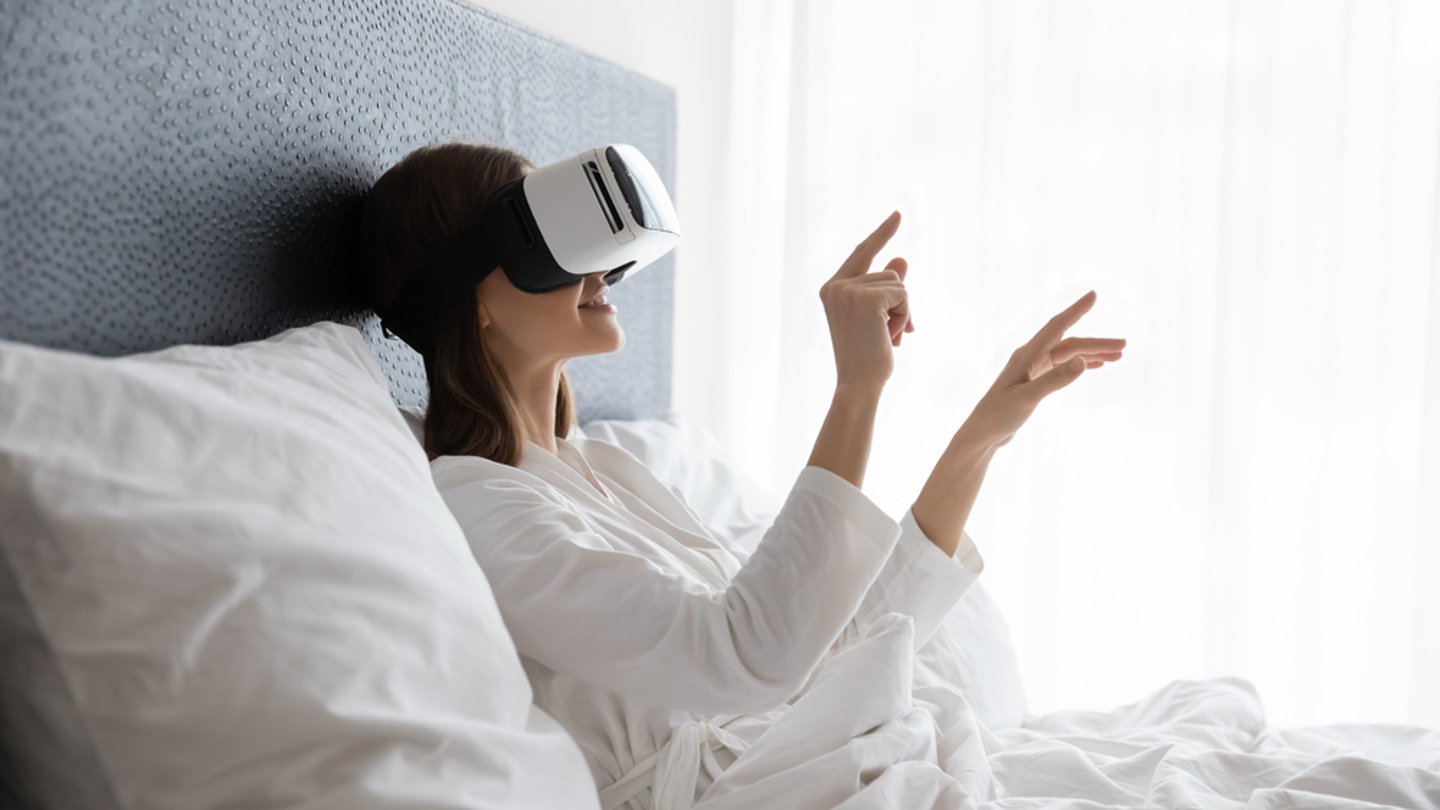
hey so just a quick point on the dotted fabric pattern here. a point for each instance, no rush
(192, 171)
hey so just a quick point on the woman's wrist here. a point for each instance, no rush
(859, 390)
(843, 446)
(943, 506)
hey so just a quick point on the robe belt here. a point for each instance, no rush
(673, 772)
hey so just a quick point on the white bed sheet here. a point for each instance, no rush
(1205, 744)
(1190, 744)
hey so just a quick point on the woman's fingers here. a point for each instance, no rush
(1040, 367)
(899, 265)
(1047, 349)
(1097, 342)
(864, 254)
(1067, 371)
(1051, 332)
(1070, 347)
(898, 326)
(889, 287)
(1055, 379)
(897, 307)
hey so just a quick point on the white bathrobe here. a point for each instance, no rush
(684, 665)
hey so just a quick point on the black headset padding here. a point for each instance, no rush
(503, 232)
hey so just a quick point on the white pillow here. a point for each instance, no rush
(415, 421)
(972, 649)
(227, 579)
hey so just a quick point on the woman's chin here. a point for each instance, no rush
(609, 343)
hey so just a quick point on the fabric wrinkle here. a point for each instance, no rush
(673, 773)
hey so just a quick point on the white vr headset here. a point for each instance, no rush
(603, 210)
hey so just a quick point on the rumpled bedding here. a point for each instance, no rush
(1191, 744)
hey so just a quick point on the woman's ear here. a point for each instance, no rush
(484, 316)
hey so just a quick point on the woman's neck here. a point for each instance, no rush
(538, 388)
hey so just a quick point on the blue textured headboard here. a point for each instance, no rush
(191, 172)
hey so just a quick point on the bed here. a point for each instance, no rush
(179, 201)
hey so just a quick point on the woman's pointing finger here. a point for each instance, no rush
(864, 253)
(1050, 333)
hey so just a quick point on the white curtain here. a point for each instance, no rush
(1250, 187)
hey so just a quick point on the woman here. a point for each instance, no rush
(686, 668)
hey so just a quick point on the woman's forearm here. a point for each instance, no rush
(945, 501)
(843, 446)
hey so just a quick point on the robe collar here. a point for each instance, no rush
(714, 565)
(535, 456)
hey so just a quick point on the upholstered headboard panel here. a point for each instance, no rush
(191, 172)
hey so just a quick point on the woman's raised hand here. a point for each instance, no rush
(868, 312)
(1048, 362)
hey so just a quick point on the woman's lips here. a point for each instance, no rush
(599, 301)
(598, 297)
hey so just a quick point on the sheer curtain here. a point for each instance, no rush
(1250, 187)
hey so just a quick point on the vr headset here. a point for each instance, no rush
(603, 210)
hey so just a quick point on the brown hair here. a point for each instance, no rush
(412, 212)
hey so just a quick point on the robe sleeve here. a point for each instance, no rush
(918, 580)
(578, 603)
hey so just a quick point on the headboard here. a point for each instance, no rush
(191, 172)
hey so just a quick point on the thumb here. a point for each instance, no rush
(899, 265)
(1058, 377)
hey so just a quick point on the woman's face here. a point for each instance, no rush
(534, 328)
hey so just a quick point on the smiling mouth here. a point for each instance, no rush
(598, 299)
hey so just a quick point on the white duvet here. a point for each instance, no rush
(1205, 744)
(1192, 744)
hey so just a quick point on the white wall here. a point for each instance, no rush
(687, 46)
